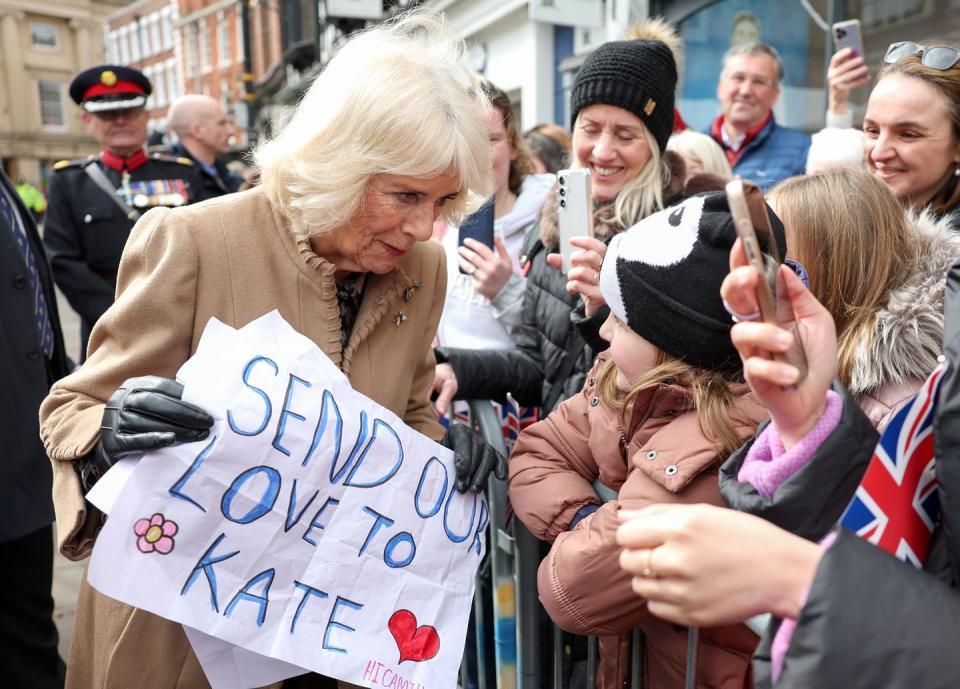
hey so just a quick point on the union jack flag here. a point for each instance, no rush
(897, 504)
(513, 418)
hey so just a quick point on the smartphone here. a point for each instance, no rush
(478, 225)
(848, 35)
(574, 210)
(753, 226)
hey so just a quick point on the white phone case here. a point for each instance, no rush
(574, 216)
(847, 35)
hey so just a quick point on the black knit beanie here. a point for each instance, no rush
(662, 278)
(639, 76)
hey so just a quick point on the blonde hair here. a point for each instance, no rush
(947, 83)
(642, 195)
(712, 397)
(395, 99)
(704, 150)
(832, 216)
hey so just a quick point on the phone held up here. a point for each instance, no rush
(752, 224)
(574, 210)
(848, 35)
(479, 226)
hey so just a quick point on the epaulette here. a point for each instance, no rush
(163, 157)
(62, 164)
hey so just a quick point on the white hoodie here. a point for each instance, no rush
(469, 319)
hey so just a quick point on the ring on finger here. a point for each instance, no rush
(647, 571)
(737, 317)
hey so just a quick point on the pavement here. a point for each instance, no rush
(67, 574)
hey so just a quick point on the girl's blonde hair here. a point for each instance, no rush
(703, 149)
(643, 194)
(395, 99)
(851, 235)
(712, 397)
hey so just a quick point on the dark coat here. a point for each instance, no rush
(25, 377)
(870, 620)
(223, 182)
(85, 231)
(774, 155)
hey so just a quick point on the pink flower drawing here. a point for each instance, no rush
(155, 534)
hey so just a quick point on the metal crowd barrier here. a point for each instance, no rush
(513, 561)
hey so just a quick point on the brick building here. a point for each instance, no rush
(42, 45)
(142, 35)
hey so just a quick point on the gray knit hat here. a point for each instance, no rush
(639, 76)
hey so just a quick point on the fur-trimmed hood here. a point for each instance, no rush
(604, 224)
(908, 331)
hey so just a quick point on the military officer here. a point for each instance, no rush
(93, 203)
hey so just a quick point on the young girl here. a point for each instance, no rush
(660, 410)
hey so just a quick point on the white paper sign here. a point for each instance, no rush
(312, 529)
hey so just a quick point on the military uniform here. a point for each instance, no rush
(89, 217)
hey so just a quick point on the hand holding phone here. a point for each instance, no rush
(574, 210)
(794, 405)
(753, 227)
(847, 34)
(479, 226)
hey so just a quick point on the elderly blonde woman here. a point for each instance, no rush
(700, 153)
(387, 140)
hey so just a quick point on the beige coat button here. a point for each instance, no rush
(87, 219)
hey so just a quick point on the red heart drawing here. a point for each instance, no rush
(415, 643)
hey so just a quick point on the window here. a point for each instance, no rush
(239, 41)
(190, 50)
(223, 39)
(206, 56)
(135, 43)
(173, 86)
(44, 36)
(155, 32)
(51, 104)
(144, 30)
(159, 79)
(121, 38)
(875, 13)
(167, 21)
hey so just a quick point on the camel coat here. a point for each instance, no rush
(233, 258)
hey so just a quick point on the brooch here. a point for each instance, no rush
(398, 318)
(410, 291)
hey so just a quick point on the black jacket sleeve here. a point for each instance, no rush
(487, 374)
(810, 502)
(89, 293)
(873, 621)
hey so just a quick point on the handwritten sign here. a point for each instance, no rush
(312, 529)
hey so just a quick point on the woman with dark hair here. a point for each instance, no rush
(549, 146)
(484, 285)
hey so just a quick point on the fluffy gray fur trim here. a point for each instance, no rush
(908, 335)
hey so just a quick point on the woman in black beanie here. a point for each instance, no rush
(621, 110)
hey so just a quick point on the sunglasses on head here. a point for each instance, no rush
(941, 57)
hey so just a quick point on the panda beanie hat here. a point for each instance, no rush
(662, 278)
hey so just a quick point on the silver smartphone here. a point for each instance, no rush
(847, 34)
(574, 210)
(753, 225)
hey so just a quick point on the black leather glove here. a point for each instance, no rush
(473, 458)
(145, 413)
